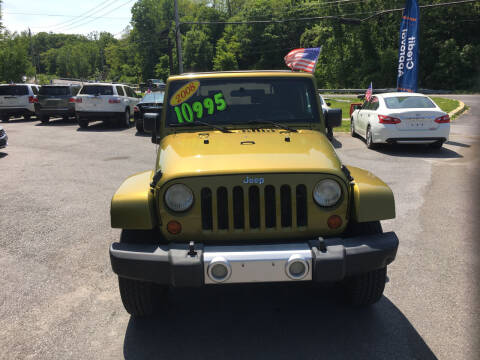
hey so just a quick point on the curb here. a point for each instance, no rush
(458, 110)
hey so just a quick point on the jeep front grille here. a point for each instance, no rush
(254, 207)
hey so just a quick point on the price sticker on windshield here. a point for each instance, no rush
(184, 93)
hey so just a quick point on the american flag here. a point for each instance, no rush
(368, 93)
(303, 59)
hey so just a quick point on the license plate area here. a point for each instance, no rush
(258, 263)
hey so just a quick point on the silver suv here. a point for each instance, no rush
(112, 103)
(18, 99)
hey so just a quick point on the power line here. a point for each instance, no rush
(88, 12)
(102, 6)
(89, 21)
(59, 15)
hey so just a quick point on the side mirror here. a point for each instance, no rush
(151, 124)
(334, 118)
(329, 103)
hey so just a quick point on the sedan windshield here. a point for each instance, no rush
(231, 101)
(406, 102)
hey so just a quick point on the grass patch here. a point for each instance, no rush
(344, 128)
(446, 105)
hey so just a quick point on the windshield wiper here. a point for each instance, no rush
(277, 125)
(197, 122)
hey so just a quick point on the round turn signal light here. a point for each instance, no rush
(334, 222)
(174, 227)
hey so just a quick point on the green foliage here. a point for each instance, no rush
(353, 55)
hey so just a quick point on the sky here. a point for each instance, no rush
(67, 16)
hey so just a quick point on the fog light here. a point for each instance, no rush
(297, 267)
(334, 222)
(174, 227)
(219, 269)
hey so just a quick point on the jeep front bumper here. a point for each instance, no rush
(319, 261)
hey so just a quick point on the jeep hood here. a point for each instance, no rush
(246, 152)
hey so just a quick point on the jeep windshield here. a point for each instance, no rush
(231, 101)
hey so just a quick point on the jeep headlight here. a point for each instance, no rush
(327, 192)
(178, 197)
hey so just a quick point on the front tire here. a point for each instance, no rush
(139, 125)
(140, 298)
(26, 117)
(365, 289)
(125, 120)
(369, 139)
(44, 119)
(5, 118)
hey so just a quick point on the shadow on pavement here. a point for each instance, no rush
(59, 122)
(417, 151)
(336, 144)
(3, 154)
(143, 134)
(272, 322)
(455, 143)
(102, 127)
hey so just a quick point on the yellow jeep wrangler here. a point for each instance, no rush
(247, 188)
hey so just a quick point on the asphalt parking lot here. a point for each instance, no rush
(59, 298)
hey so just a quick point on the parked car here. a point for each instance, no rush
(246, 188)
(403, 118)
(113, 103)
(325, 108)
(3, 138)
(152, 102)
(56, 100)
(18, 99)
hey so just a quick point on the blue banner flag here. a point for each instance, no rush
(407, 77)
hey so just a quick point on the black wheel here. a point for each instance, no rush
(365, 289)
(44, 119)
(437, 144)
(65, 118)
(369, 139)
(139, 125)
(352, 128)
(82, 123)
(5, 118)
(141, 298)
(26, 117)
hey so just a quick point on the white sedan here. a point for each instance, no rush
(404, 118)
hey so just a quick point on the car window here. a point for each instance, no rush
(405, 102)
(374, 103)
(35, 90)
(54, 90)
(13, 90)
(74, 90)
(154, 96)
(130, 92)
(321, 100)
(240, 100)
(97, 90)
(120, 90)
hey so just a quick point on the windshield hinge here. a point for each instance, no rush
(156, 178)
(347, 173)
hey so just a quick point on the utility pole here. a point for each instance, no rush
(179, 39)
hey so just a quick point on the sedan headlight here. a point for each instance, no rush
(327, 192)
(179, 198)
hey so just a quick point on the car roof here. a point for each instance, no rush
(393, 94)
(243, 73)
